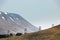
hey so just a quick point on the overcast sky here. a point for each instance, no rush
(38, 12)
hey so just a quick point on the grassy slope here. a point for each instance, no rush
(48, 34)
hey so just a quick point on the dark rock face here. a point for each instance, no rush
(11, 34)
(18, 34)
(4, 36)
(15, 23)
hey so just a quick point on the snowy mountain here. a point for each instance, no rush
(14, 23)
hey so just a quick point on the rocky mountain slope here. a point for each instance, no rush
(14, 23)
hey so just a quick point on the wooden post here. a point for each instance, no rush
(52, 25)
(39, 28)
(25, 30)
(8, 33)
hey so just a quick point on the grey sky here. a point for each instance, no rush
(37, 12)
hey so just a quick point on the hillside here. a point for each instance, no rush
(48, 34)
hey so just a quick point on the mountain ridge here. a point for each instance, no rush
(16, 23)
